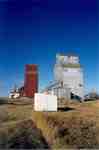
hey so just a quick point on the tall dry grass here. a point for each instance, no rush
(71, 130)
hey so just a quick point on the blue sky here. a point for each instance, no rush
(34, 31)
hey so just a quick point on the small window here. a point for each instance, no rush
(80, 85)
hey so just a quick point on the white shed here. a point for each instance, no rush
(45, 102)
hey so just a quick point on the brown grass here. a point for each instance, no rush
(77, 128)
(14, 113)
(22, 135)
(17, 130)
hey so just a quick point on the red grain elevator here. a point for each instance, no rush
(31, 80)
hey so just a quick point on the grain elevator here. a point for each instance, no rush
(31, 80)
(69, 71)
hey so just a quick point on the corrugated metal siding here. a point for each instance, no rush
(58, 89)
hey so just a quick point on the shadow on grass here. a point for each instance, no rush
(66, 109)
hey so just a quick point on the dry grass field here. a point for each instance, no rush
(17, 129)
(77, 126)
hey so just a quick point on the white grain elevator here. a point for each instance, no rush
(68, 70)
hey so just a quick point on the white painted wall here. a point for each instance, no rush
(45, 102)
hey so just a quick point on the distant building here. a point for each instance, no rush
(30, 86)
(93, 94)
(14, 93)
(69, 71)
